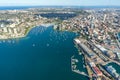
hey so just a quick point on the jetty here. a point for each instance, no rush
(74, 67)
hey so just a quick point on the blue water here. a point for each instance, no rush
(119, 35)
(14, 7)
(116, 66)
(44, 54)
(80, 7)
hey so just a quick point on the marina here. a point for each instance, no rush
(74, 67)
(93, 66)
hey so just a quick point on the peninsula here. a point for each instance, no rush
(17, 23)
(99, 30)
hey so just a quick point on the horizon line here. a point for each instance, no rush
(61, 5)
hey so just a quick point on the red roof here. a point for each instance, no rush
(97, 71)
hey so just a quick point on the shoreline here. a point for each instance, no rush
(27, 32)
(19, 37)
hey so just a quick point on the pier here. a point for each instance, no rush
(79, 72)
(74, 67)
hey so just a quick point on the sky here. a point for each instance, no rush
(60, 2)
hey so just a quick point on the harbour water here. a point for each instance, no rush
(79, 7)
(116, 66)
(44, 54)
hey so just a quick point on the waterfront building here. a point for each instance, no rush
(92, 64)
(110, 54)
(5, 29)
(10, 30)
(106, 52)
(95, 69)
(119, 78)
(118, 55)
(2, 25)
(112, 71)
(12, 25)
(82, 46)
(15, 30)
(89, 52)
(77, 41)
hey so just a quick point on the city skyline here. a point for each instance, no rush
(60, 2)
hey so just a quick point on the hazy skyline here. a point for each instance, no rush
(60, 2)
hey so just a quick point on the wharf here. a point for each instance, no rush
(74, 67)
(88, 69)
